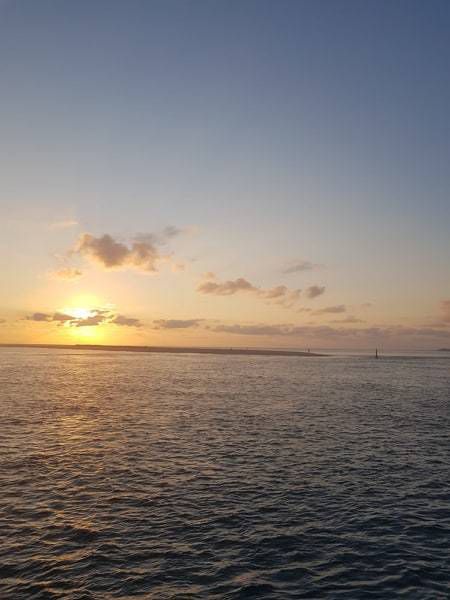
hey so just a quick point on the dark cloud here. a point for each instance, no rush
(125, 321)
(38, 316)
(315, 290)
(280, 294)
(141, 254)
(98, 317)
(299, 266)
(227, 288)
(61, 317)
(2, 321)
(91, 321)
(176, 323)
(340, 308)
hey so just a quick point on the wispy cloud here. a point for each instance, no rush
(349, 319)
(227, 288)
(314, 291)
(340, 308)
(323, 332)
(96, 317)
(123, 321)
(280, 294)
(176, 323)
(66, 274)
(299, 266)
(63, 224)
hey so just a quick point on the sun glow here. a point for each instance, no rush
(78, 312)
(87, 334)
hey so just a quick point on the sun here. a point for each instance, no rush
(78, 312)
(80, 309)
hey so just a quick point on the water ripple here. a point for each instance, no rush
(161, 476)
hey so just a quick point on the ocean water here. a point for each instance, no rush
(192, 476)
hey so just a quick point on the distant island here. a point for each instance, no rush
(168, 349)
(444, 350)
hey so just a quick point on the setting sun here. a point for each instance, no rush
(78, 313)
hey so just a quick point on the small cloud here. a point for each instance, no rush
(39, 317)
(341, 308)
(142, 254)
(91, 321)
(97, 317)
(61, 318)
(66, 274)
(314, 291)
(349, 319)
(63, 224)
(280, 294)
(300, 266)
(125, 321)
(227, 288)
(178, 267)
(171, 231)
(2, 321)
(176, 323)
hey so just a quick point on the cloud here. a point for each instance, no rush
(125, 321)
(109, 253)
(340, 308)
(38, 316)
(315, 290)
(178, 267)
(91, 321)
(141, 253)
(280, 294)
(171, 231)
(445, 307)
(367, 334)
(176, 323)
(227, 288)
(66, 274)
(61, 317)
(2, 321)
(260, 329)
(349, 319)
(63, 224)
(300, 266)
(97, 317)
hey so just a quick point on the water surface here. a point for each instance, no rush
(191, 476)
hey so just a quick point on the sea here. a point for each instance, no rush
(176, 476)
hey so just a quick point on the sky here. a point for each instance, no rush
(225, 173)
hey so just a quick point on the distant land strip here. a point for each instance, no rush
(167, 349)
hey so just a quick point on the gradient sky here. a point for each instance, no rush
(302, 144)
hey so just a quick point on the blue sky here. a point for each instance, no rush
(280, 131)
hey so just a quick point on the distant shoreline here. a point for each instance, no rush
(168, 349)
